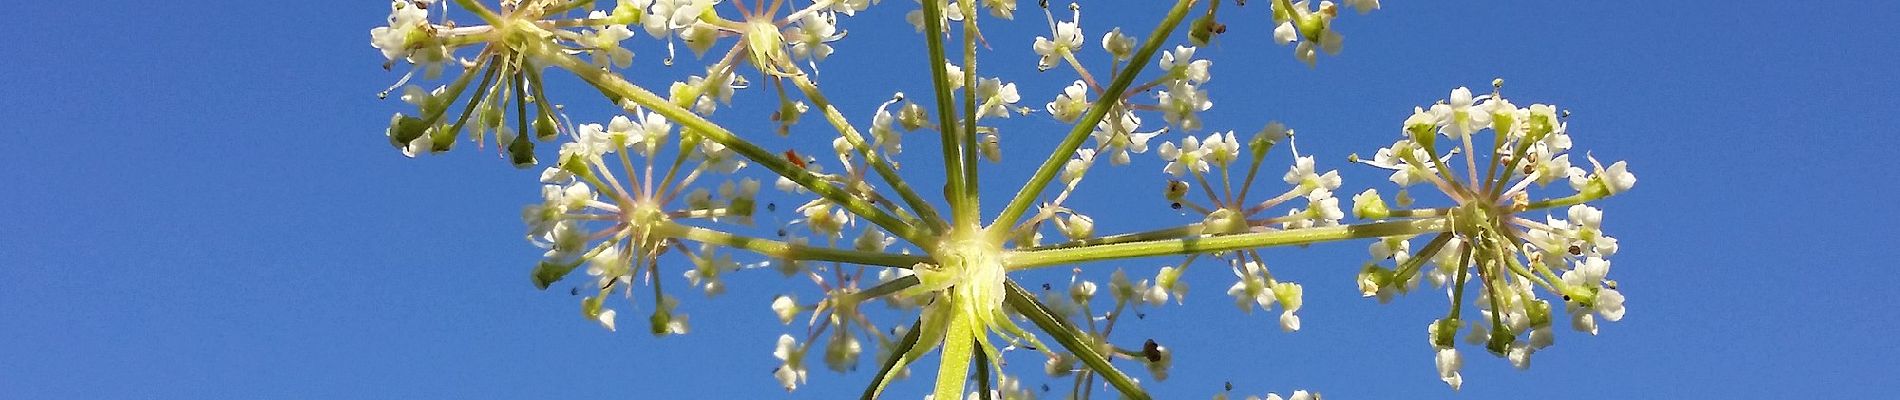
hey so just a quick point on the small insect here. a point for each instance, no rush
(1151, 350)
(1045, 286)
(792, 155)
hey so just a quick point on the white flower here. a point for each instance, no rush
(1119, 45)
(791, 372)
(1304, 176)
(1303, 23)
(1222, 148)
(1618, 177)
(1005, 9)
(842, 353)
(1116, 133)
(873, 240)
(707, 268)
(609, 266)
(951, 12)
(1168, 283)
(1071, 103)
(1252, 288)
(604, 43)
(1181, 102)
(995, 97)
(1180, 64)
(606, 319)
(1082, 291)
(1073, 170)
(1068, 37)
(1322, 209)
(404, 20)
(1285, 34)
(885, 134)
(1449, 362)
(1609, 304)
(786, 308)
(809, 39)
(851, 7)
(1520, 355)
(1290, 296)
(1187, 157)
(1457, 118)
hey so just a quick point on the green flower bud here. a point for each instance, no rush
(520, 151)
(404, 129)
(1501, 339)
(1445, 332)
(548, 272)
(1368, 205)
(590, 307)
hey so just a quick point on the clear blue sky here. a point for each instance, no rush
(199, 203)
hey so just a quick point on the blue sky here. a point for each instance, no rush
(200, 203)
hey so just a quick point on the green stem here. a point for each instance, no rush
(982, 375)
(783, 250)
(1071, 339)
(616, 86)
(946, 111)
(481, 11)
(1036, 258)
(971, 195)
(1572, 200)
(885, 288)
(959, 344)
(1158, 234)
(1083, 127)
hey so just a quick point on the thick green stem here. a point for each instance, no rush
(1037, 258)
(1083, 127)
(946, 111)
(783, 250)
(959, 344)
(616, 86)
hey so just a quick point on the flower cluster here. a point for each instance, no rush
(656, 191)
(1485, 238)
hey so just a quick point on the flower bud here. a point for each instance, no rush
(1119, 45)
(992, 147)
(1061, 365)
(786, 307)
(1443, 333)
(1078, 227)
(1223, 221)
(1082, 291)
(1368, 205)
(842, 353)
(912, 116)
(520, 151)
